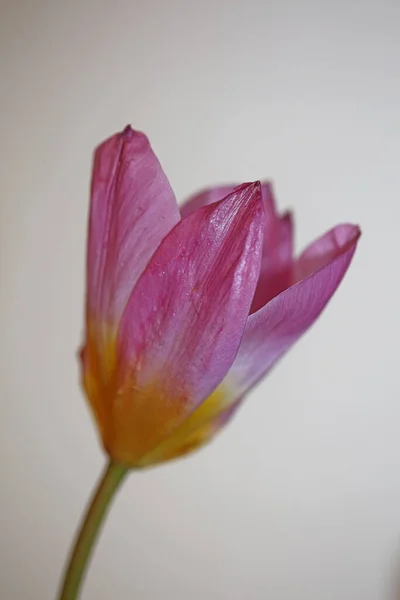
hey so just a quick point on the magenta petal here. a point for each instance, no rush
(185, 319)
(274, 328)
(132, 208)
(277, 260)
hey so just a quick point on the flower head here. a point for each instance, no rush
(187, 309)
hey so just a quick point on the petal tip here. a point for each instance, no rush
(127, 131)
(253, 188)
(287, 217)
(132, 139)
(346, 234)
(251, 195)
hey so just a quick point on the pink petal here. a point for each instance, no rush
(132, 209)
(277, 260)
(323, 250)
(274, 328)
(185, 319)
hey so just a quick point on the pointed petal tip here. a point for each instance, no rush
(345, 235)
(339, 241)
(356, 229)
(287, 217)
(127, 131)
(208, 196)
(252, 190)
(128, 140)
(244, 197)
(128, 134)
(249, 186)
(249, 196)
(256, 185)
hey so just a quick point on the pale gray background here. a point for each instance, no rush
(300, 498)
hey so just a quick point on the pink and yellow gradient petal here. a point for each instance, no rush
(132, 209)
(181, 327)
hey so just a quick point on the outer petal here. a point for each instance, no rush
(277, 256)
(274, 328)
(132, 209)
(184, 321)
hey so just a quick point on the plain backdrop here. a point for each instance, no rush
(299, 498)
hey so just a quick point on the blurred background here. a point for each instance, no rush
(300, 497)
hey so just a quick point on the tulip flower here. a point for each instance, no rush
(186, 310)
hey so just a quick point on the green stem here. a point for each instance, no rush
(108, 484)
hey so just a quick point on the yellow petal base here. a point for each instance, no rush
(141, 426)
